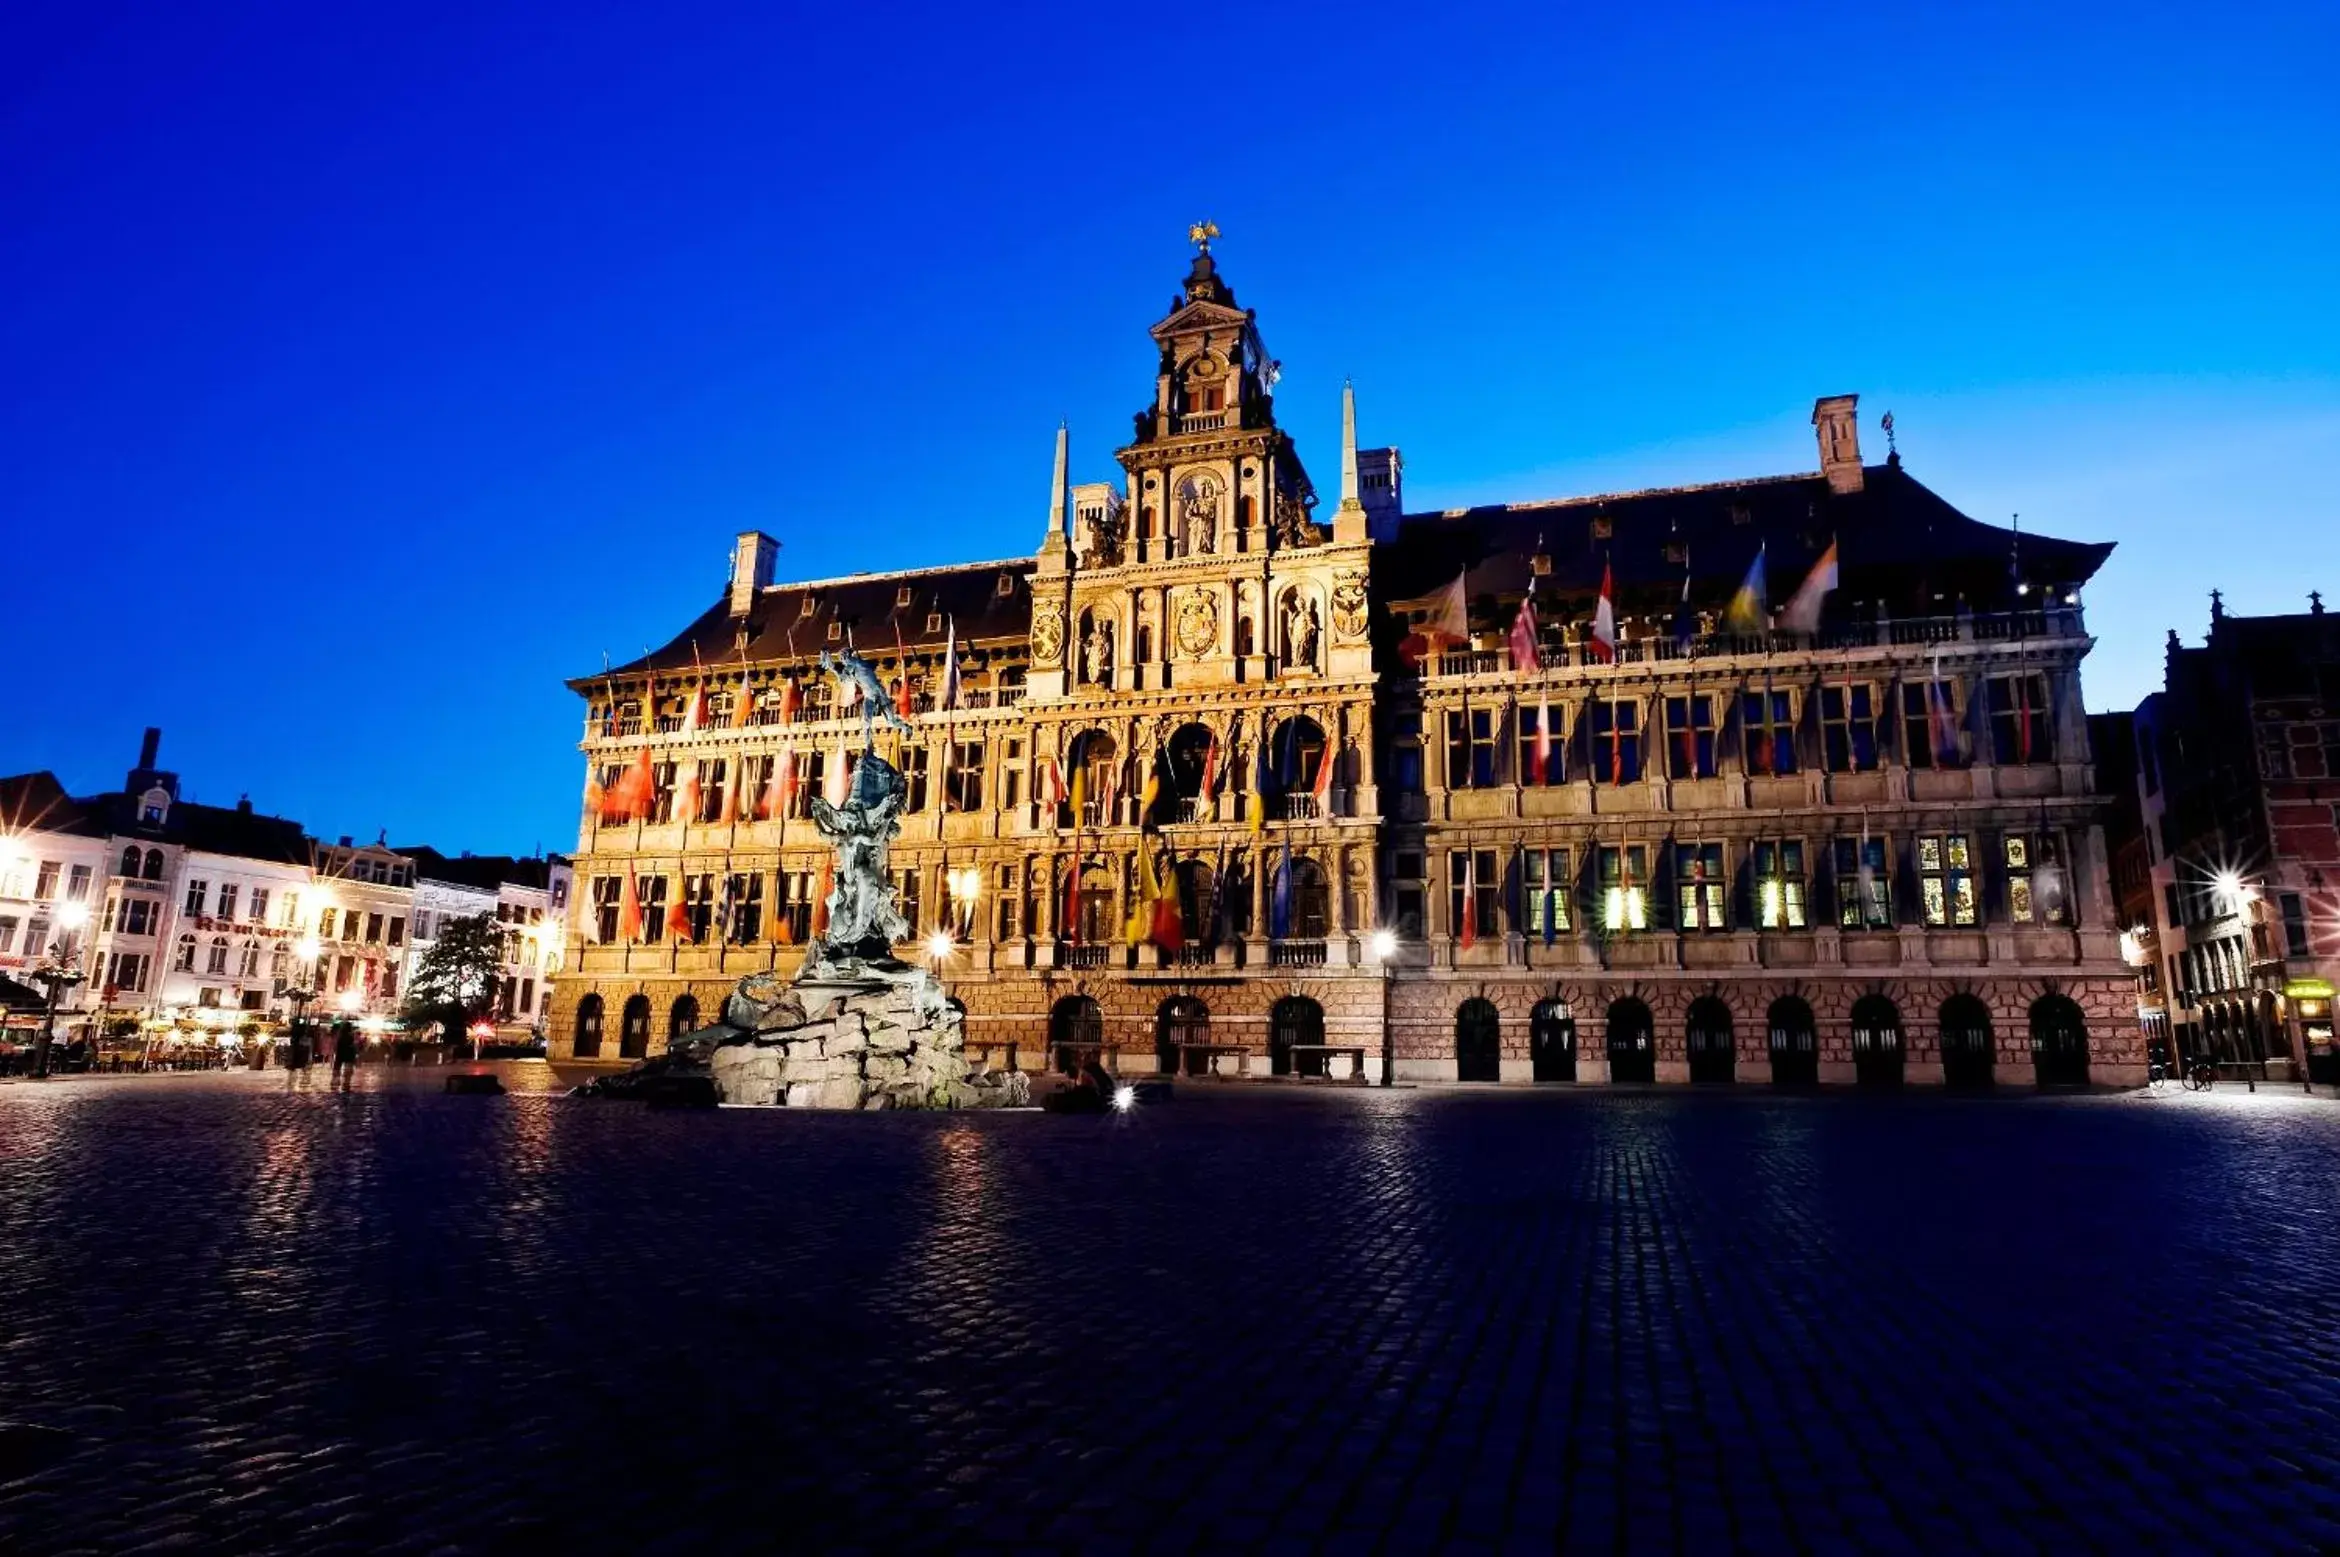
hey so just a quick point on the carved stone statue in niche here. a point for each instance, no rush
(1097, 653)
(1301, 632)
(1195, 521)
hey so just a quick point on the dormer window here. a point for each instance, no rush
(1007, 585)
(836, 631)
(902, 598)
(934, 621)
(806, 608)
(1603, 527)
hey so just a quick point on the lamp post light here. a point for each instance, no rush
(61, 971)
(1384, 947)
(938, 947)
(303, 988)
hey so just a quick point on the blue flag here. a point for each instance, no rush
(1280, 899)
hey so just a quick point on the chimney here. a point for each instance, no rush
(1839, 427)
(243, 805)
(150, 747)
(751, 569)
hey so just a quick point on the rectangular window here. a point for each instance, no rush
(1470, 748)
(143, 916)
(259, 905)
(1011, 775)
(45, 880)
(2036, 888)
(126, 972)
(1616, 741)
(1409, 894)
(1946, 879)
(1864, 898)
(1545, 890)
(745, 894)
(373, 929)
(228, 892)
(1779, 884)
(810, 779)
(914, 766)
(792, 905)
(698, 905)
(1541, 756)
(1931, 735)
(8, 928)
(652, 892)
(1848, 728)
(959, 910)
(77, 884)
(1690, 736)
(1007, 903)
(328, 920)
(198, 894)
(1405, 752)
(1475, 885)
(1768, 720)
(1624, 884)
(1700, 887)
(714, 778)
(662, 792)
(2019, 720)
(966, 778)
(397, 930)
(906, 895)
(2295, 926)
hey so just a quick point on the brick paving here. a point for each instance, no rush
(273, 1319)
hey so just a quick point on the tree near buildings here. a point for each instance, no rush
(455, 983)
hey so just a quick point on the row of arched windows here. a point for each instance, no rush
(682, 1018)
(2059, 1041)
(141, 866)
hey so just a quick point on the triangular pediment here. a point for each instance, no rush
(1198, 316)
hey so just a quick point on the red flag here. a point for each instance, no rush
(1616, 742)
(1523, 633)
(783, 786)
(743, 706)
(688, 811)
(732, 794)
(630, 910)
(2023, 718)
(629, 798)
(1543, 739)
(1210, 772)
(678, 922)
(1470, 914)
(1322, 788)
(1072, 890)
(820, 914)
(595, 801)
(788, 701)
(1602, 645)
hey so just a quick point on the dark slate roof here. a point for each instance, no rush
(37, 802)
(236, 831)
(780, 629)
(487, 871)
(1898, 543)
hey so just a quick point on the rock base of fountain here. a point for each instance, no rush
(869, 1034)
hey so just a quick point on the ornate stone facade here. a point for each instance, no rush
(1853, 839)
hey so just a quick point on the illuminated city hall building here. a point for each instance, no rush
(1220, 782)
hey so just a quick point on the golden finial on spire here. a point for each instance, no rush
(1200, 234)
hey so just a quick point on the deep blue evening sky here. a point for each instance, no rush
(370, 369)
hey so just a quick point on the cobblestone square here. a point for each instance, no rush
(276, 1318)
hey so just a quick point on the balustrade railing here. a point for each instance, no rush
(1994, 627)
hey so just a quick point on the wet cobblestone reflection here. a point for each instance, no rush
(290, 1320)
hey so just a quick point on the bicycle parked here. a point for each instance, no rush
(2201, 1074)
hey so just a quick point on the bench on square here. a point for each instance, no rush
(1211, 1059)
(1355, 1053)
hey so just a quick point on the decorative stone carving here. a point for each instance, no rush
(1047, 635)
(1348, 603)
(863, 922)
(1097, 653)
(1198, 622)
(1196, 524)
(1301, 631)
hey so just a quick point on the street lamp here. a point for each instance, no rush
(1383, 945)
(61, 971)
(965, 885)
(303, 987)
(939, 946)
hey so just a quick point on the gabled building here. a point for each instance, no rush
(2238, 764)
(1539, 791)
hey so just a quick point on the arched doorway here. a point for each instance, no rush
(1295, 1022)
(634, 1029)
(1552, 1041)
(1878, 1051)
(1182, 1029)
(1713, 1056)
(588, 1044)
(1795, 1044)
(1295, 749)
(1632, 1042)
(2059, 1042)
(683, 1020)
(1478, 1042)
(1966, 1043)
(1076, 1029)
(1299, 903)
